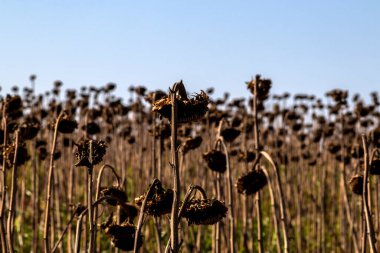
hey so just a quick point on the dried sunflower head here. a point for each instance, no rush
(128, 212)
(263, 87)
(159, 203)
(22, 154)
(115, 192)
(375, 167)
(122, 236)
(92, 128)
(216, 160)
(192, 109)
(13, 106)
(192, 143)
(204, 211)
(67, 125)
(230, 134)
(83, 152)
(251, 182)
(155, 96)
(29, 130)
(249, 156)
(339, 96)
(356, 184)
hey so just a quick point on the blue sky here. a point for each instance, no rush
(303, 46)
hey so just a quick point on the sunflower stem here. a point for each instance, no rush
(49, 186)
(141, 215)
(89, 199)
(174, 160)
(3, 185)
(366, 195)
(12, 201)
(257, 146)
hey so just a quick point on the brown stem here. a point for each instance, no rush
(184, 203)
(282, 201)
(49, 186)
(366, 195)
(273, 206)
(80, 218)
(230, 198)
(257, 146)
(91, 219)
(141, 216)
(175, 166)
(12, 201)
(98, 185)
(3, 186)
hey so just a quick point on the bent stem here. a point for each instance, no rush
(282, 202)
(184, 203)
(141, 216)
(49, 186)
(365, 196)
(230, 199)
(80, 218)
(273, 206)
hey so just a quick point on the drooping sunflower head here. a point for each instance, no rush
(67, 125)
(204, 211)
(356, 184)
(22, 154)
(192, 143)
(230, 134)
(13, 106)
(159, 203)
(251, 182)
(29, 129)
(216, 160)
(117, 194)
(122, 236)
(375, 167)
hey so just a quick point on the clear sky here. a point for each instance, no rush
(303, 46)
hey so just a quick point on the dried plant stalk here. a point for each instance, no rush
(366, 195)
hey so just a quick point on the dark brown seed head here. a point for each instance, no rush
(22, 154)
(230, 134)
(192, 109)
(205, 211)
(246, 157)
(375, 167)
(122, 236)
(83, 152)
(92, 128)
(251, 182)
(67, 125)
(29, 130)
(128, 212)
(356, 184)
(159, 203)
(192, 143)
(216, 160)
(263, 87)
(12, 104)
(118, 195)
(155, 96)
